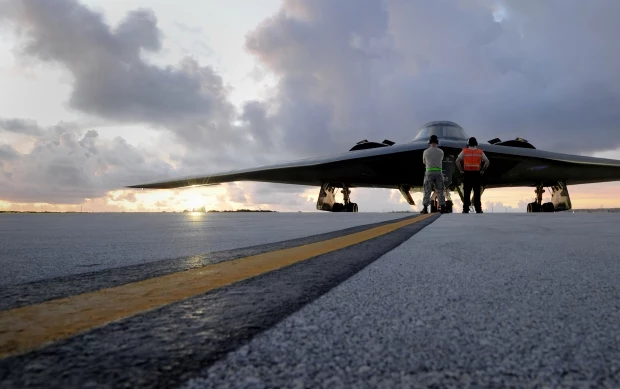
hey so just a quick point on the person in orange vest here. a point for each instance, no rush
(469, 163)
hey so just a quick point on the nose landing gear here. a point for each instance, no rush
(435, 202)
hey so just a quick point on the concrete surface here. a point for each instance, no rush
(492, 300)
(42, 246)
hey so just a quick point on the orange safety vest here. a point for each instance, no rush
(472, 159)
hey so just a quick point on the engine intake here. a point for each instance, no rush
(365, 144)
(517, 142)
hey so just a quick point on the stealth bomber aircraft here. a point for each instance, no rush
(514, 163)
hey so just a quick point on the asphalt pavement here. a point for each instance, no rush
(492, 300)
(247, 235)
(467, 301)
(165, 346)
(42, 246)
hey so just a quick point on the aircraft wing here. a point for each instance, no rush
(396, 165)
(382, 167)
(513, 166)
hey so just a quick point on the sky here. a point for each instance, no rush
(103, 94)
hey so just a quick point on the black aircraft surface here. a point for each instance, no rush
(513, 163)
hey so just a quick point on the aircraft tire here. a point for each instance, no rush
(533, 207)
(338, 207)
(351, 207)
(548, 207)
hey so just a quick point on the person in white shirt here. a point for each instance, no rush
(433, 158)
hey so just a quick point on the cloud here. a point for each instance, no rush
(347, 70)
(499, 68)
(110, 77)
(499, 207)
(113, 80)
(20, 126)
(188, 29)
(544, 72)
(130, 197)
(7, 153)
(66, 166)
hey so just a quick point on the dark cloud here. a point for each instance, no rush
(112, 80)
(20, 126)
(8, 153)
(351, 70)
(256, 121)
(507, 69)
(325, 94)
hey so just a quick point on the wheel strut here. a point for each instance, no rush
(539, 195)
(537, 205)
(346, 192)
(346, 198)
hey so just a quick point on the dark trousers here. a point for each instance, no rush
(471, 180)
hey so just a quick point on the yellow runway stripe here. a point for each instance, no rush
(31, 327)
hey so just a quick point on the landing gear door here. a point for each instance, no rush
(448, 166)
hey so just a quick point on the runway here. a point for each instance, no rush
(42, 246)
(492, 300)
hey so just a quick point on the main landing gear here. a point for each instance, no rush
(348, 206)
(327, 200)
(537, 205)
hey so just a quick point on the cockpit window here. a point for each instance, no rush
(443, 131)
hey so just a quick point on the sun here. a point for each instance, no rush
(194, 204)
(194, 198)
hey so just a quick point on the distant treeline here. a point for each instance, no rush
(39, 212)
(186, 211)
(612, 210)
(243, 210)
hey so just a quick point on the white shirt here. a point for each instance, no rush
(432, 157)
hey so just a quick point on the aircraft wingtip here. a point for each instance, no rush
(164, 186)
